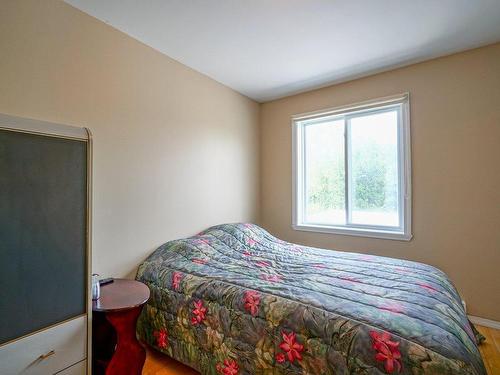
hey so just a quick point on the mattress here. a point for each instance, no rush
(236, 300)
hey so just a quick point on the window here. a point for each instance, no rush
(352, 170)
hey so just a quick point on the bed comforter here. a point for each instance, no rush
(236, 300)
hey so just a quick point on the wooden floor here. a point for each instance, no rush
(159, 364)
(490, 349)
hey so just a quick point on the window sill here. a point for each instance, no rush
(358, 232)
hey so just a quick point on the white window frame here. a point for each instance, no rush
(403, 231)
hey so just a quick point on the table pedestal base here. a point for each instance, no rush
(116, 348)
(129, 355)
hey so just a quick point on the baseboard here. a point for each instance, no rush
(484, 322)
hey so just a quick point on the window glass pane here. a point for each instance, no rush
(324, 173)
(374, 169)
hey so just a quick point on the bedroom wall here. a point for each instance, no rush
(174, 151)
(455, 129)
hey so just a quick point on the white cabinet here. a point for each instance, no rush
(45, 238)
(46, 352)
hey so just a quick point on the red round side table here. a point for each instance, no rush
(115, 349)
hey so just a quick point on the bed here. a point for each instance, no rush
(236, 300)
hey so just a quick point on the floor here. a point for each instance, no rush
(159, 364)
(490, 349)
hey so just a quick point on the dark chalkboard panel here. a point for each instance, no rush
(43, 205)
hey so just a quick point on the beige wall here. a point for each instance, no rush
(455, 129)
(175, 151)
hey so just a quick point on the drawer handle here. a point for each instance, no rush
(46, 355)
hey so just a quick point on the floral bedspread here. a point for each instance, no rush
(236, 300)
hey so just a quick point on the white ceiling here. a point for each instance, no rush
(266, 49)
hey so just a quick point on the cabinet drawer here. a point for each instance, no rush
(79, 368)
(47, 351)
